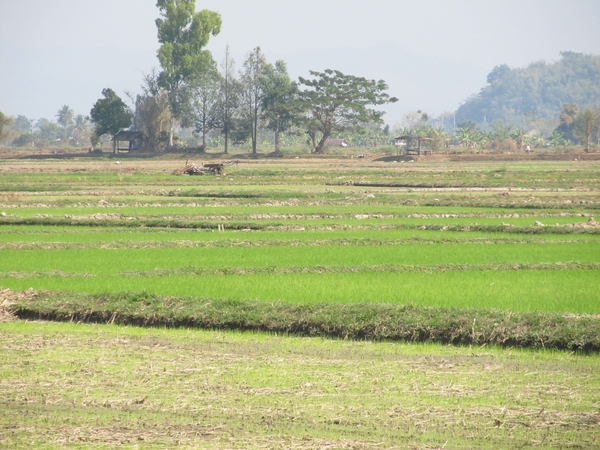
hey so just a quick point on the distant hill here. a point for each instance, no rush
(541, 88)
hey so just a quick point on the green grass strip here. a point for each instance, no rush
(378, 322)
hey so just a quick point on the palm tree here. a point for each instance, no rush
(65, 116)
(65, 119)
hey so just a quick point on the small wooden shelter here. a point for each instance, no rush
(412, 145)
(128, 140)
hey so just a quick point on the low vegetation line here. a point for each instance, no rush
(350, 321)
(394, 268)
(220, 225)
(231, 243)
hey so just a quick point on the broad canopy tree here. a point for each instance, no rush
(110, 115)
(333, 102)
(183, 33)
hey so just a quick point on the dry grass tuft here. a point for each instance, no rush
(8, 298)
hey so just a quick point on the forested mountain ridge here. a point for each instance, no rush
(539, 89)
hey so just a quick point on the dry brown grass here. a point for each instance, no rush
(74, 386)
(8, 298)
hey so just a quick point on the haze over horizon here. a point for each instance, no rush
(432, 54)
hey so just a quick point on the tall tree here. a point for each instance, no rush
(253, 93)
(334, 102)
(586, 123)
(23, 125)
(278, 101)
(567, 119)
(110, 115)
(202, 109)
(229, 97)
(183, 33)
(64, 117)
(152, 112)
(5, 122)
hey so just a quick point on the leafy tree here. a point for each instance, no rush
(567, 119)
(110, 115)
(334, 102)
(183, 33)
(81, 129)
(278, 101)
(5, 122)
(229, 95)
(22, 125)
(48, 132)
(152, 111)
(25, 140)
(202, 109)
(586, 123)
(501, 129)
(414, 120)
(252, 93)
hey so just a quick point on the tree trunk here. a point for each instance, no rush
(254, 130)
(226, 140)
(277, 148)
(171, 131)
(320, 148)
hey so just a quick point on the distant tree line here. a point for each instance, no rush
(192, 91)
(193, 101)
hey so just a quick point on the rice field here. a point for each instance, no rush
(495, 239)
(300, 232)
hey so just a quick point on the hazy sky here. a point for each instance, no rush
(434, 54)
